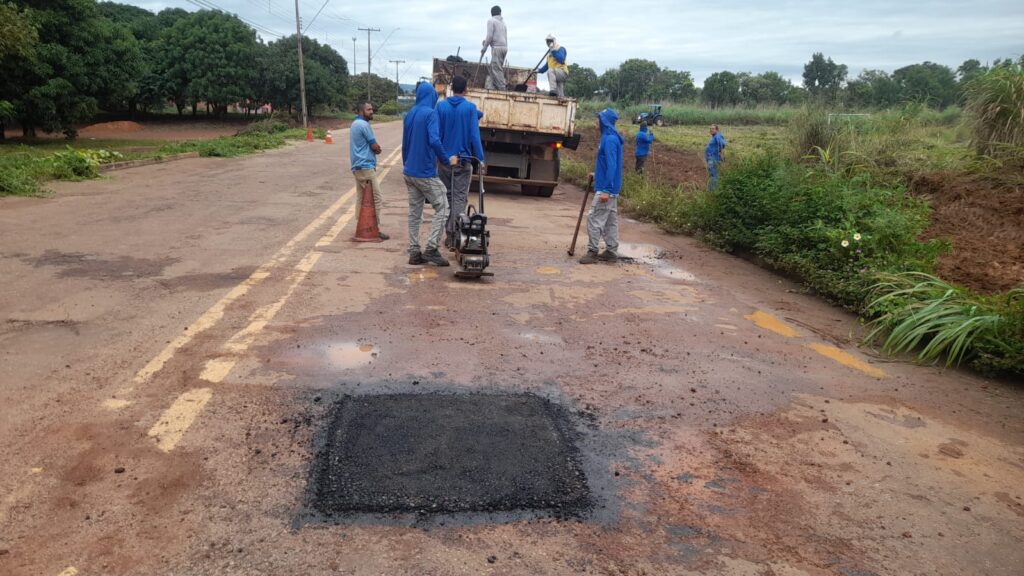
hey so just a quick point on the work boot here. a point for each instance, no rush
(384, 236)
(589, 258)
(608, 256)
(416, 259)
(435, 258)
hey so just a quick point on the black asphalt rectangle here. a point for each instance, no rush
(444, 453)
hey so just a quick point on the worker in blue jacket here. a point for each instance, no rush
(556, 67)
(421, 150)
(460, 136)
(643, 146)
(603, 219)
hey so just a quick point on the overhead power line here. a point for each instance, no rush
(258, 27)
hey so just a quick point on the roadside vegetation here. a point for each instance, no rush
(25, 168)
(826, 199)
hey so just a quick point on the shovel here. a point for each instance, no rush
(522, 87)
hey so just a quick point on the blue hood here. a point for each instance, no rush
(421, 143)
(608, 165)
(426, 95)
(608, 118)
(643, 127)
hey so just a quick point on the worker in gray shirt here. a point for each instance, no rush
(497, 40)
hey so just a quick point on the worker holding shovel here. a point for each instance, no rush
(556, 67)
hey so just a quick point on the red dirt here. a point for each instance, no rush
(665, 165)
(107, 129)
(170, 128)
(983, 218)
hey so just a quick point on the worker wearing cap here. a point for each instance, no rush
(556, 67)
(497, 40)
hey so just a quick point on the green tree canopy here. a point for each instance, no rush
(721, 89)
(764, 88)
(927, 82)
(383, 90)
(582, 82)
(872, 89)
(823, 78)
(326, 71)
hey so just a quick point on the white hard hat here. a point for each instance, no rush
(550, 37)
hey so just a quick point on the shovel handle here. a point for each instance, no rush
(579, 221)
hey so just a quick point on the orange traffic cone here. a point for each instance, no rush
(309, 134)
(367, 229)
(328, 140)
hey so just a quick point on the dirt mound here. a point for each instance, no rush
(111, 128)
(983, 218)
(665, 165)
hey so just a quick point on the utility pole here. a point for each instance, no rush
(398, 86)
(353, 56)
(302, 72)
(369, 59)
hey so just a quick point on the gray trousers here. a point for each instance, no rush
(603, 222)
(458, 194)
(556, 81)
(496, 69)
(426, 190)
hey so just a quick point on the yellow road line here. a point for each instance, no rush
(69, 571)
(216, 312)
(846, 359)
(172, 425)
(773, 324)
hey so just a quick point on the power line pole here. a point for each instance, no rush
(398, 86)
(369, 59)
(302, 71)
(353, 56)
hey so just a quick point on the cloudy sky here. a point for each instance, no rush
(702, 37)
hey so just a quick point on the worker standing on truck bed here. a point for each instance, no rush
(556, 67)
(603, 219)
(497, 40)
(421, 150)
(460, 136)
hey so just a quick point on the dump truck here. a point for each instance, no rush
(522, 131)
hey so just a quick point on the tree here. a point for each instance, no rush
(675, 85)
(927, 82)
(872, 89)
(609, 83)
(582, 82)
(384, 90)
(721, 89)
(81, 57)
(18, 41)
(764, 88)
(326, 71)
(823, 78)
(637, 79)
(210, 57)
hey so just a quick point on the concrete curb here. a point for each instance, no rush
(136, 163)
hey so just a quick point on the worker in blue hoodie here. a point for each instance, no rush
(421, 150)
(603, 219)
(643, 146)
(460, 136)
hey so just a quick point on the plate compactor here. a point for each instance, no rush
(474, 238)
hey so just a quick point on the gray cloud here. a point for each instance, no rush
(702, 37)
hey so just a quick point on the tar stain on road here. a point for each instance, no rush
(448, 453)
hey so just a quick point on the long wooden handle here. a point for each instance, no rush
(583, 208)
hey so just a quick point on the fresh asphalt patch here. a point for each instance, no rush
(443, 454)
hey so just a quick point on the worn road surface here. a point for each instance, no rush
(172, 339)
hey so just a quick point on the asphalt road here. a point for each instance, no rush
(172, 339)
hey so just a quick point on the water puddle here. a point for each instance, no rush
(345, 355)
(653, 256)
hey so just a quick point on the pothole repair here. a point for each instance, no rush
(444, 453)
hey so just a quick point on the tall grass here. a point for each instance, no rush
(995, 108)
(696, 115)
(942, 321)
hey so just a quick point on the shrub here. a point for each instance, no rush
(263, 127)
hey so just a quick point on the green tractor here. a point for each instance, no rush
(653, 118)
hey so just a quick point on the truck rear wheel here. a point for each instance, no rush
(539, 191)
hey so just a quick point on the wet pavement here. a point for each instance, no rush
(725, 421)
